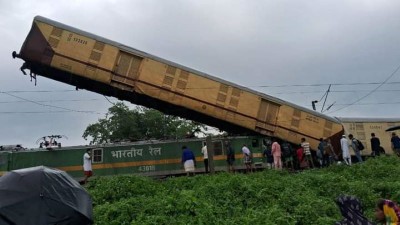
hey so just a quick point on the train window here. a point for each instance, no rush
(97, 154)
(217, 145)
(255, 143)
(217, 148)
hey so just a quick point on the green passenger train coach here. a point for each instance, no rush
(149, 158)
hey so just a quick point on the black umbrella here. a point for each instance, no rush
(42, 196)
(393, 128)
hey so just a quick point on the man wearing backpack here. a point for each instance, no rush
(357, 147)
(287, 154)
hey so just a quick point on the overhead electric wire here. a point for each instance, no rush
(51, 106)
(368, 94)
(56, 100)
(38, 91)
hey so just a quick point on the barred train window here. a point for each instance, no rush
(255, 143)
(97, 155)
(218, 149)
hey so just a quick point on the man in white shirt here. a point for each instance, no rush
(205, 156)
(87, 165)
(345, 150)
(247, 158)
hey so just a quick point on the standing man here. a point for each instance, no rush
(188, 160)
(321, 152)
(354, 145)
(345, 150)
(87, 165)
(247, 158)
(375, 145)
(269, 159)
(230, 158)
(307, 152)
(287, 154)
(330, 152)
(277, 153)
(395, 144)
(205, 156)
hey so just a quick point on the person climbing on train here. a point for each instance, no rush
(387, 212)
(188, 160)
(356, 147)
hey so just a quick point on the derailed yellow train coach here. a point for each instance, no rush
(87, 61)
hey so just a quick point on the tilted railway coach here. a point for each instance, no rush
(87, 61)
(362, 128)
(149, 158)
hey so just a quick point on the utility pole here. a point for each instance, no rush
(326, 96)
(210, 151)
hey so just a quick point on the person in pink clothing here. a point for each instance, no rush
(276, 152)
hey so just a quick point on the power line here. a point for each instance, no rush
(368, 94)
(40, 112)
(310, 92)
(56, 100)
(334, 84)
(371, 103)
(38, 91)
(51, 106)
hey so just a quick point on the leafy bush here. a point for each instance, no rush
(268, 197)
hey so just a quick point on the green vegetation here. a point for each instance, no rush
(267, 197)
(140, 123)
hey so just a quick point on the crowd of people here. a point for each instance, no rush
(281, 154)
(325, 155)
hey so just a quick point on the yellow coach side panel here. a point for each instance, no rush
(362, 131)
(79, 54)
(198, 93)
(295, 124)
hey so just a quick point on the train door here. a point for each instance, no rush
(126, 69)
(267, 116)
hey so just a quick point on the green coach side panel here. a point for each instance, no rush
(51, 158)
(4, 162)
(160, 157)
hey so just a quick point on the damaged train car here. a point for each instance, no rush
(94, 63)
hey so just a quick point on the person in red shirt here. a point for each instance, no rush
(303, 163)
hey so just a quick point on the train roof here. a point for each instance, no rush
(128, 143)
(368, 120)
(147, 55)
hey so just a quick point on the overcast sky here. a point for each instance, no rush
(269, 46)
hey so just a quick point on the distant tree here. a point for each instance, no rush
(122, 123)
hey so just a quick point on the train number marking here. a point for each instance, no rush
(147, 168)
